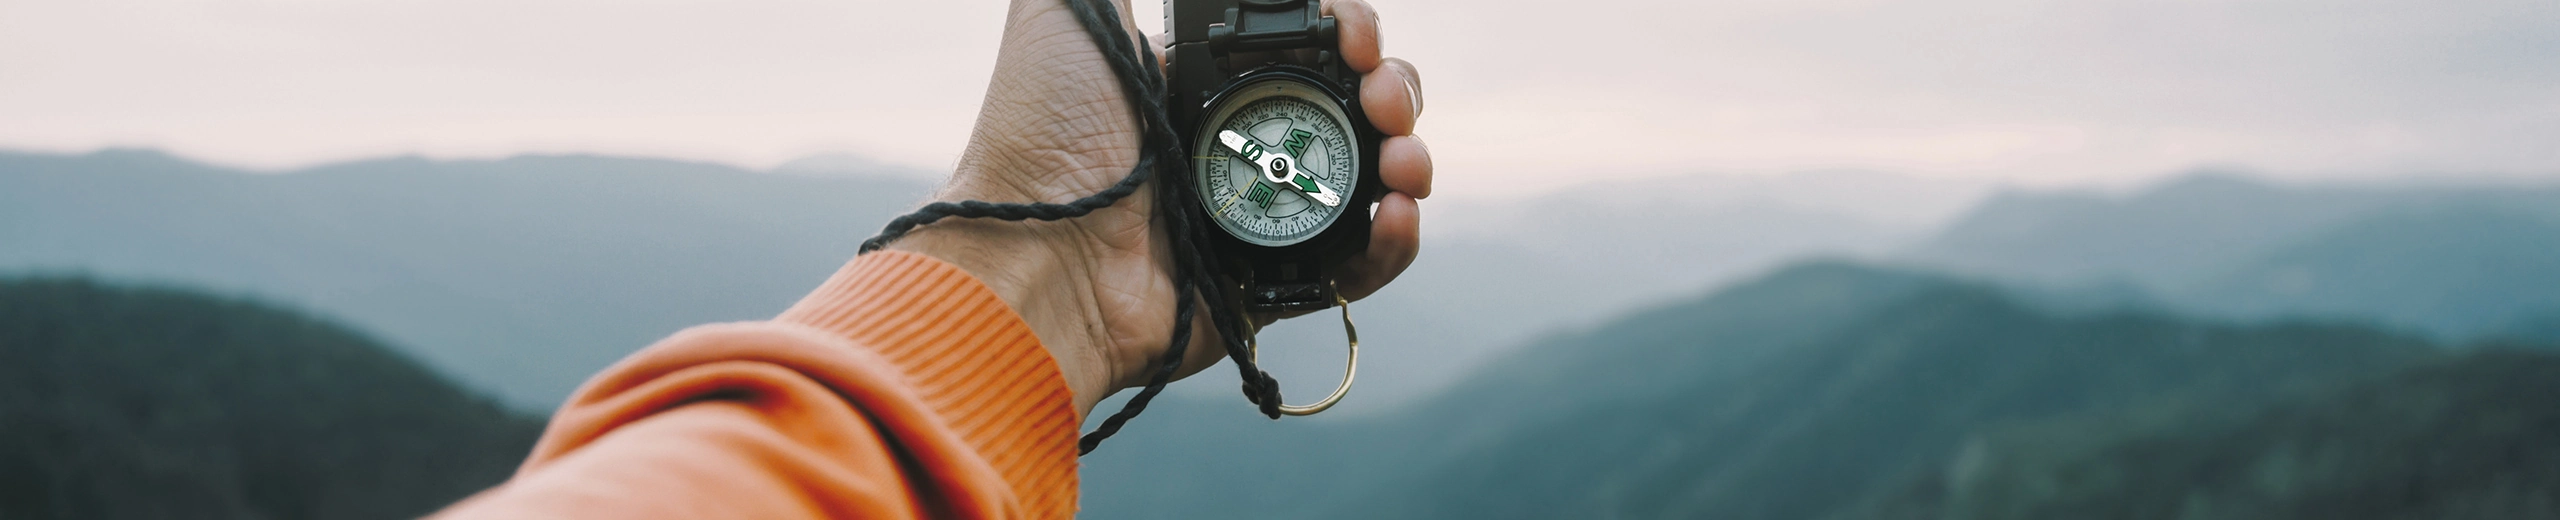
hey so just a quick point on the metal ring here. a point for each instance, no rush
(1350, 369)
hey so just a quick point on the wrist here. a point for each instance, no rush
(1033, 271)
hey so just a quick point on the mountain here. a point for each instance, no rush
(1672, 237)
(126, 402)
(2461, 271)
(1884, 200)
(2180, 230)
(2426, 257)
(521, 276)
(2469, 438)
(525, 275)
(1794, 395)
(1842, 410)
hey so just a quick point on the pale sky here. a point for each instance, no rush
(1524, 97)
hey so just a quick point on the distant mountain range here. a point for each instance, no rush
(2465, 271)
(2463, 262)
(1674, 237)
(120, 402)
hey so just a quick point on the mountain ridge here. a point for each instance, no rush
(2214, 243)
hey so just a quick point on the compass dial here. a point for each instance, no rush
(1286, 166)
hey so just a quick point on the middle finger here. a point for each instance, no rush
(1392, 96)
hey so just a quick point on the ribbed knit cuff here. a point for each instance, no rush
(972, 359)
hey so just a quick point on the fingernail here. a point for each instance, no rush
(1377, 35)
(1412, 93)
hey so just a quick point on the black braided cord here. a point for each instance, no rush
(1160, 157)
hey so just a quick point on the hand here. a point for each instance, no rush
(1098, 290)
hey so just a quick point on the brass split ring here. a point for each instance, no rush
(1350, 369)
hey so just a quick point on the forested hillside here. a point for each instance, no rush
(120, 402)
(1841, 410)
(2466, 439)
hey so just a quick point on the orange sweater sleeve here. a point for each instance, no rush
(902, 388)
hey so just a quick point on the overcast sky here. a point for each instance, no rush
(1525, 97)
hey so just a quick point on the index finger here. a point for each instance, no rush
(1357, 26)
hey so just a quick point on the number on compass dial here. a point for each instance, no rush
(1276, 163)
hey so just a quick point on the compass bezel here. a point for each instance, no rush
(1348, 233)
(1209, 154)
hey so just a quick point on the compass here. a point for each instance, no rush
(1282, 158)
(1284, 161)
(1278, 164)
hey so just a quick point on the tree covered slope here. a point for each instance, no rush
(2471, 438)
(148, 403)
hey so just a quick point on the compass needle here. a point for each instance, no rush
(1278, 168)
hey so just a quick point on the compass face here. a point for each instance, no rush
(1276, 162)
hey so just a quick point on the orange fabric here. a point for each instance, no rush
(902, 388)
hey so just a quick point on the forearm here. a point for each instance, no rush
(901, 388)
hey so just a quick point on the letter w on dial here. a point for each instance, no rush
(1279, 169)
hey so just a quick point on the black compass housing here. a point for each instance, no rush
(1218, 45)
